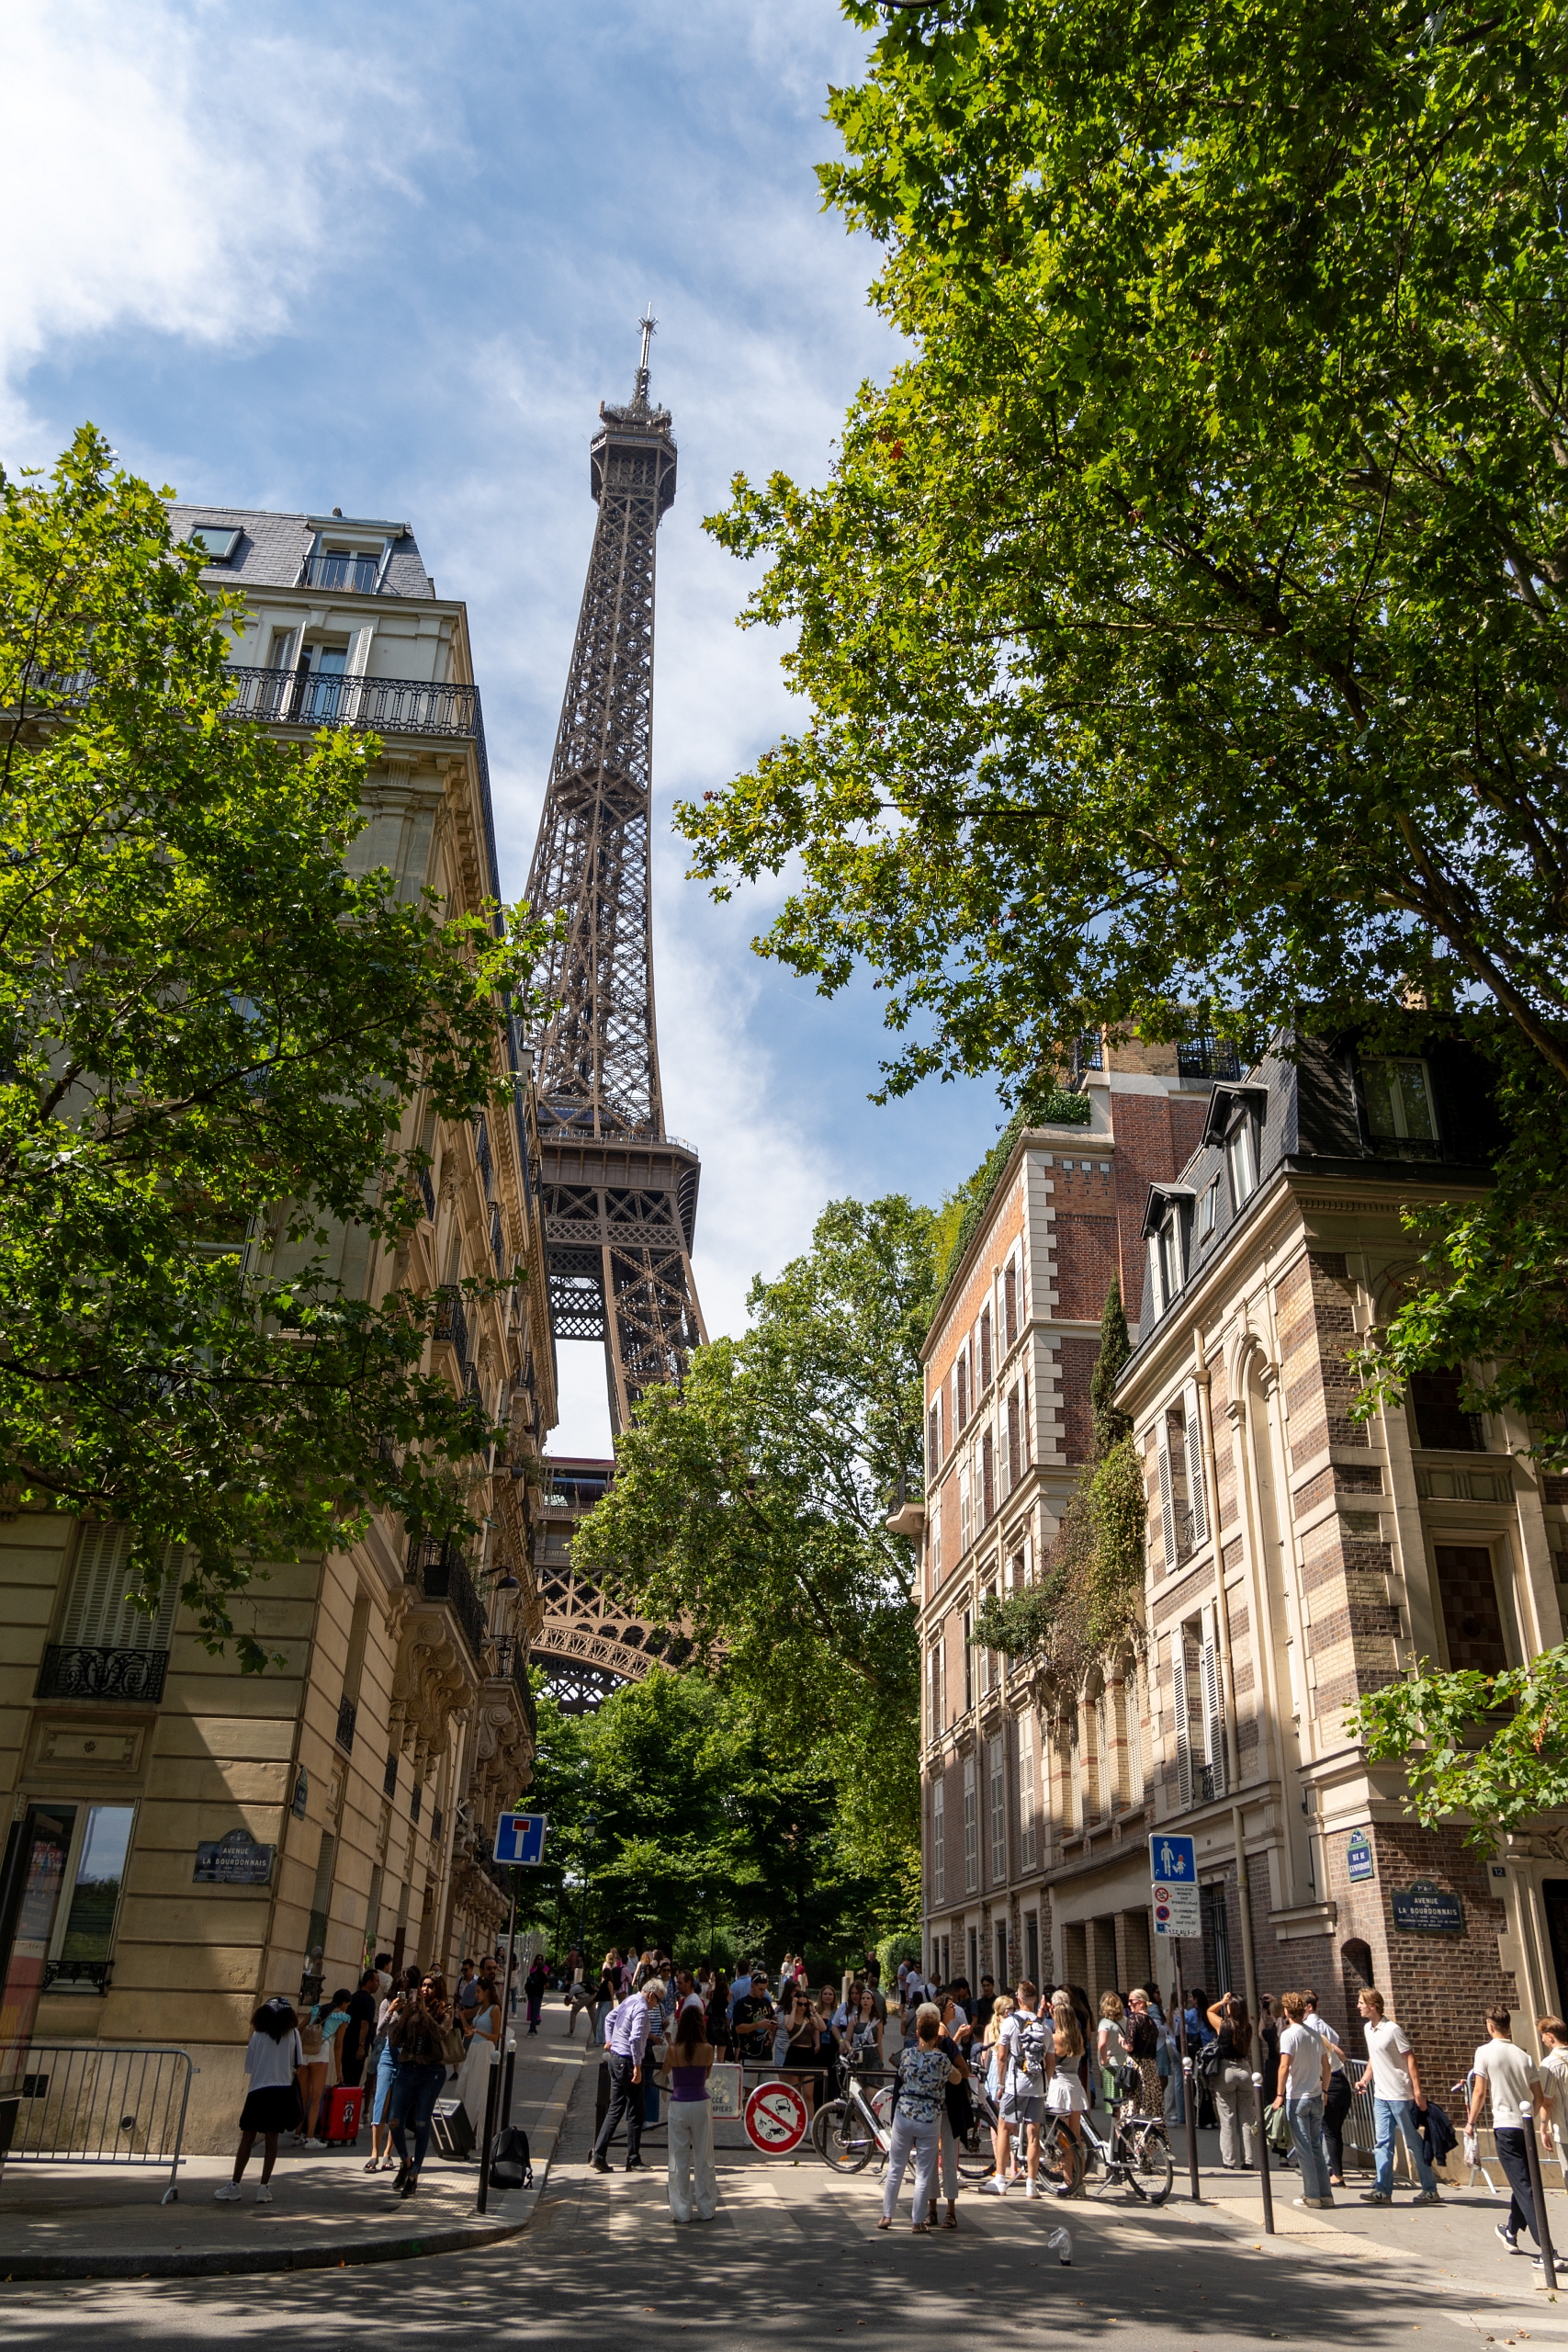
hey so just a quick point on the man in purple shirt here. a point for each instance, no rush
(626, 2031)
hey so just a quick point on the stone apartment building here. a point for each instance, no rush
(1298, 1558)
(184, 1835)
(1030, 1860)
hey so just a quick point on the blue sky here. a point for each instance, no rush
(390, 259)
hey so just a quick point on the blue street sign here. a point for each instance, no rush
(1174, 1858)
(1359, 1855)
(520, 1837)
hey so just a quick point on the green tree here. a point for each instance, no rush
(749, 1507)
(1490, 1746)
(1182, 623)
(211, 1031)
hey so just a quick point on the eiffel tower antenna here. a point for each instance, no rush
(620, 1193)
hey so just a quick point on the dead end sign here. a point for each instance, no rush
(776, 2119)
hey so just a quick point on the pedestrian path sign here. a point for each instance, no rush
(1173, 1865)
(520, 1837)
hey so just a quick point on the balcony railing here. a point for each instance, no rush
(346, 1714)
(380, 706)
(357, 574)
(452, 1325)
(1203, 1784)
(440, 1573)
(71, 1673)
(1205, 1056)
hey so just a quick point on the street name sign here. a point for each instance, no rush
(1173, 1864)
(520, 1837)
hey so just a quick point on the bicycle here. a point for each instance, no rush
(1136, 2156)
(1061, 2156)
(847, 2131)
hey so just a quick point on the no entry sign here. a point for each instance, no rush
(776, 2119)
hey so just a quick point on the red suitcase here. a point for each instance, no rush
(340, 2114)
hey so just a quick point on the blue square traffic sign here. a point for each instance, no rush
(1175, 1860)
(520, 1837)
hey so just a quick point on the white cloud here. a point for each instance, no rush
(162, 168)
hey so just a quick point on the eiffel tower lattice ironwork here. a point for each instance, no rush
(620, 1194)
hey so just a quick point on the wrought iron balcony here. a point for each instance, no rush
(357, 574)
(440, 1573)
(380, 706)
(77, 1976)
(73, 1673)
(1205, 1056)
(452, 1325)
(346, 1712)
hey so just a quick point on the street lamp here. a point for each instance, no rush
(590, 1824)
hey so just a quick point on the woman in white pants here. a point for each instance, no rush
(693, 2184)
(924, 2072)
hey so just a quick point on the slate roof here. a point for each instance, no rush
(273, 547)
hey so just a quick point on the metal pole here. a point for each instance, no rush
(1189, 2079)
(1538, 2191)
(494, 2083)
(1263, 2159)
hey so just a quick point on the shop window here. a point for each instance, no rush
(1472, 1621)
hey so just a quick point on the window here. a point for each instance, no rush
(968, 1660)
(1184, 1519)
(1240, 1160)
(82, 1944)
(1199, 1723)
(1013, 1436)
(961, 1381)
(1010, 1301)
(988, 1655)
(970, 1828)
(939, 1843)
(998, 1811)
(1031, 1946)
(985, 1348)
(1440, 1424)
(217, 540)
(1400, 1114)
(1028, 1856)
(1170, 1241)
(938, 1681)
(1209, 1210)
(935, 1541)
(964, 1530)
(933, 1437)
(106, 1647)
(1472, 1621)
(1088, 1053)
(988, 1478)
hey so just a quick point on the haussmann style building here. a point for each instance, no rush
(184, 1840)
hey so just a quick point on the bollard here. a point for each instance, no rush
(1537, 2192)
(1190, 2083)
(1263, 2159)
(488, 2139)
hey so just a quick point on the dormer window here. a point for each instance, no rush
(1401, 1118)
(1167, 1222)
(1234, 1126)
(1240, 1160)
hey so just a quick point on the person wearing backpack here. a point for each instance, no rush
(1226, 2065)
(1025, 2057)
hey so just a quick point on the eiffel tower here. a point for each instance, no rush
(620, 1194)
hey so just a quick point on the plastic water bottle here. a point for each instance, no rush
(1060, 2244)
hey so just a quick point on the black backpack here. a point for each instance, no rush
(509, 2164)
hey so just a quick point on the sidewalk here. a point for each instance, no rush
(98, 2221)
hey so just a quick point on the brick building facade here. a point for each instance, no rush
(1024, 1815)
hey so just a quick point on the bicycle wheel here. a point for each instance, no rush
(1061, 2160)
(975, 2153)
(842, 2137)
(1150, 2174)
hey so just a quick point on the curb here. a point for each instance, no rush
(238, 2262)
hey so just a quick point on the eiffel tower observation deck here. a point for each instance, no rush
(620, 1193)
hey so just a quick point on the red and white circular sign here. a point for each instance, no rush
(776, 2117)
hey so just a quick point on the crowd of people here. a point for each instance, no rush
(399, 2041)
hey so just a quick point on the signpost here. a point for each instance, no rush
(776, 2119)
(1173, 1867)
(519, 1843)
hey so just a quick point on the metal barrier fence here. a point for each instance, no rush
(97, 2103)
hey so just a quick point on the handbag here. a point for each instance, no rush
(453, 2048)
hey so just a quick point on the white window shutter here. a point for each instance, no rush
(1195, 1486)
(1183, 1733)
(1166, 1504)
(1212, 1708)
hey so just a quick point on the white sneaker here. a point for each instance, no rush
(229, 2194)
(993, 2187)
(264, 2194)
(318, 2143)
